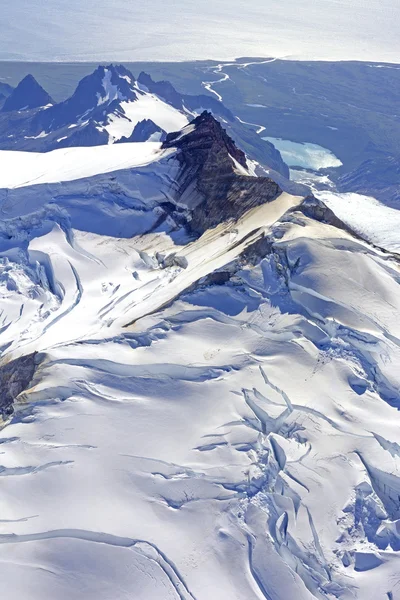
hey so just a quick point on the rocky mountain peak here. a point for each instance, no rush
(97, 93)
(214, 180)
(163, 89)
(28, 94)
(204, 135)
(105, 85)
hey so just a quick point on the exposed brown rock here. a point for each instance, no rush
(15, 377)
(208, 171)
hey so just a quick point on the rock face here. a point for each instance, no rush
(27, 95)
(210, 183)
(15, 377)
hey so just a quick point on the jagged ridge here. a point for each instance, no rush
(207, 154)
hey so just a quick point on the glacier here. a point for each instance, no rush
(191, 409)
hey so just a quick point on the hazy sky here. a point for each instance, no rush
(188, 29)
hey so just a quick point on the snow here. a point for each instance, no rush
(305, 154)
(42, 134)
(21, 169)
(111, 92)
(370, 218)
(160, 31)
(147, 106)
(183, 439)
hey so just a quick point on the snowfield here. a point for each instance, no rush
(370, 218)
(212, 418)
(20, 169)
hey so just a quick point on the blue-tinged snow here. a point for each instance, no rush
(183, 440)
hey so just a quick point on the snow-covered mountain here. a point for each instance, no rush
(199, 370)
(106, 105)
(111, 106)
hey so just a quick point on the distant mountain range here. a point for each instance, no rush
(111, 106)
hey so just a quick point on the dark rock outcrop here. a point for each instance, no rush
(171, 260)
(15, 377)
(27, 95)
(143, 131)
(216, 278)
(209, 182)
(315, 209)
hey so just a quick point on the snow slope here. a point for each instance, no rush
(213, 418)
(20, 169)
(376, 222)
(147, 106)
